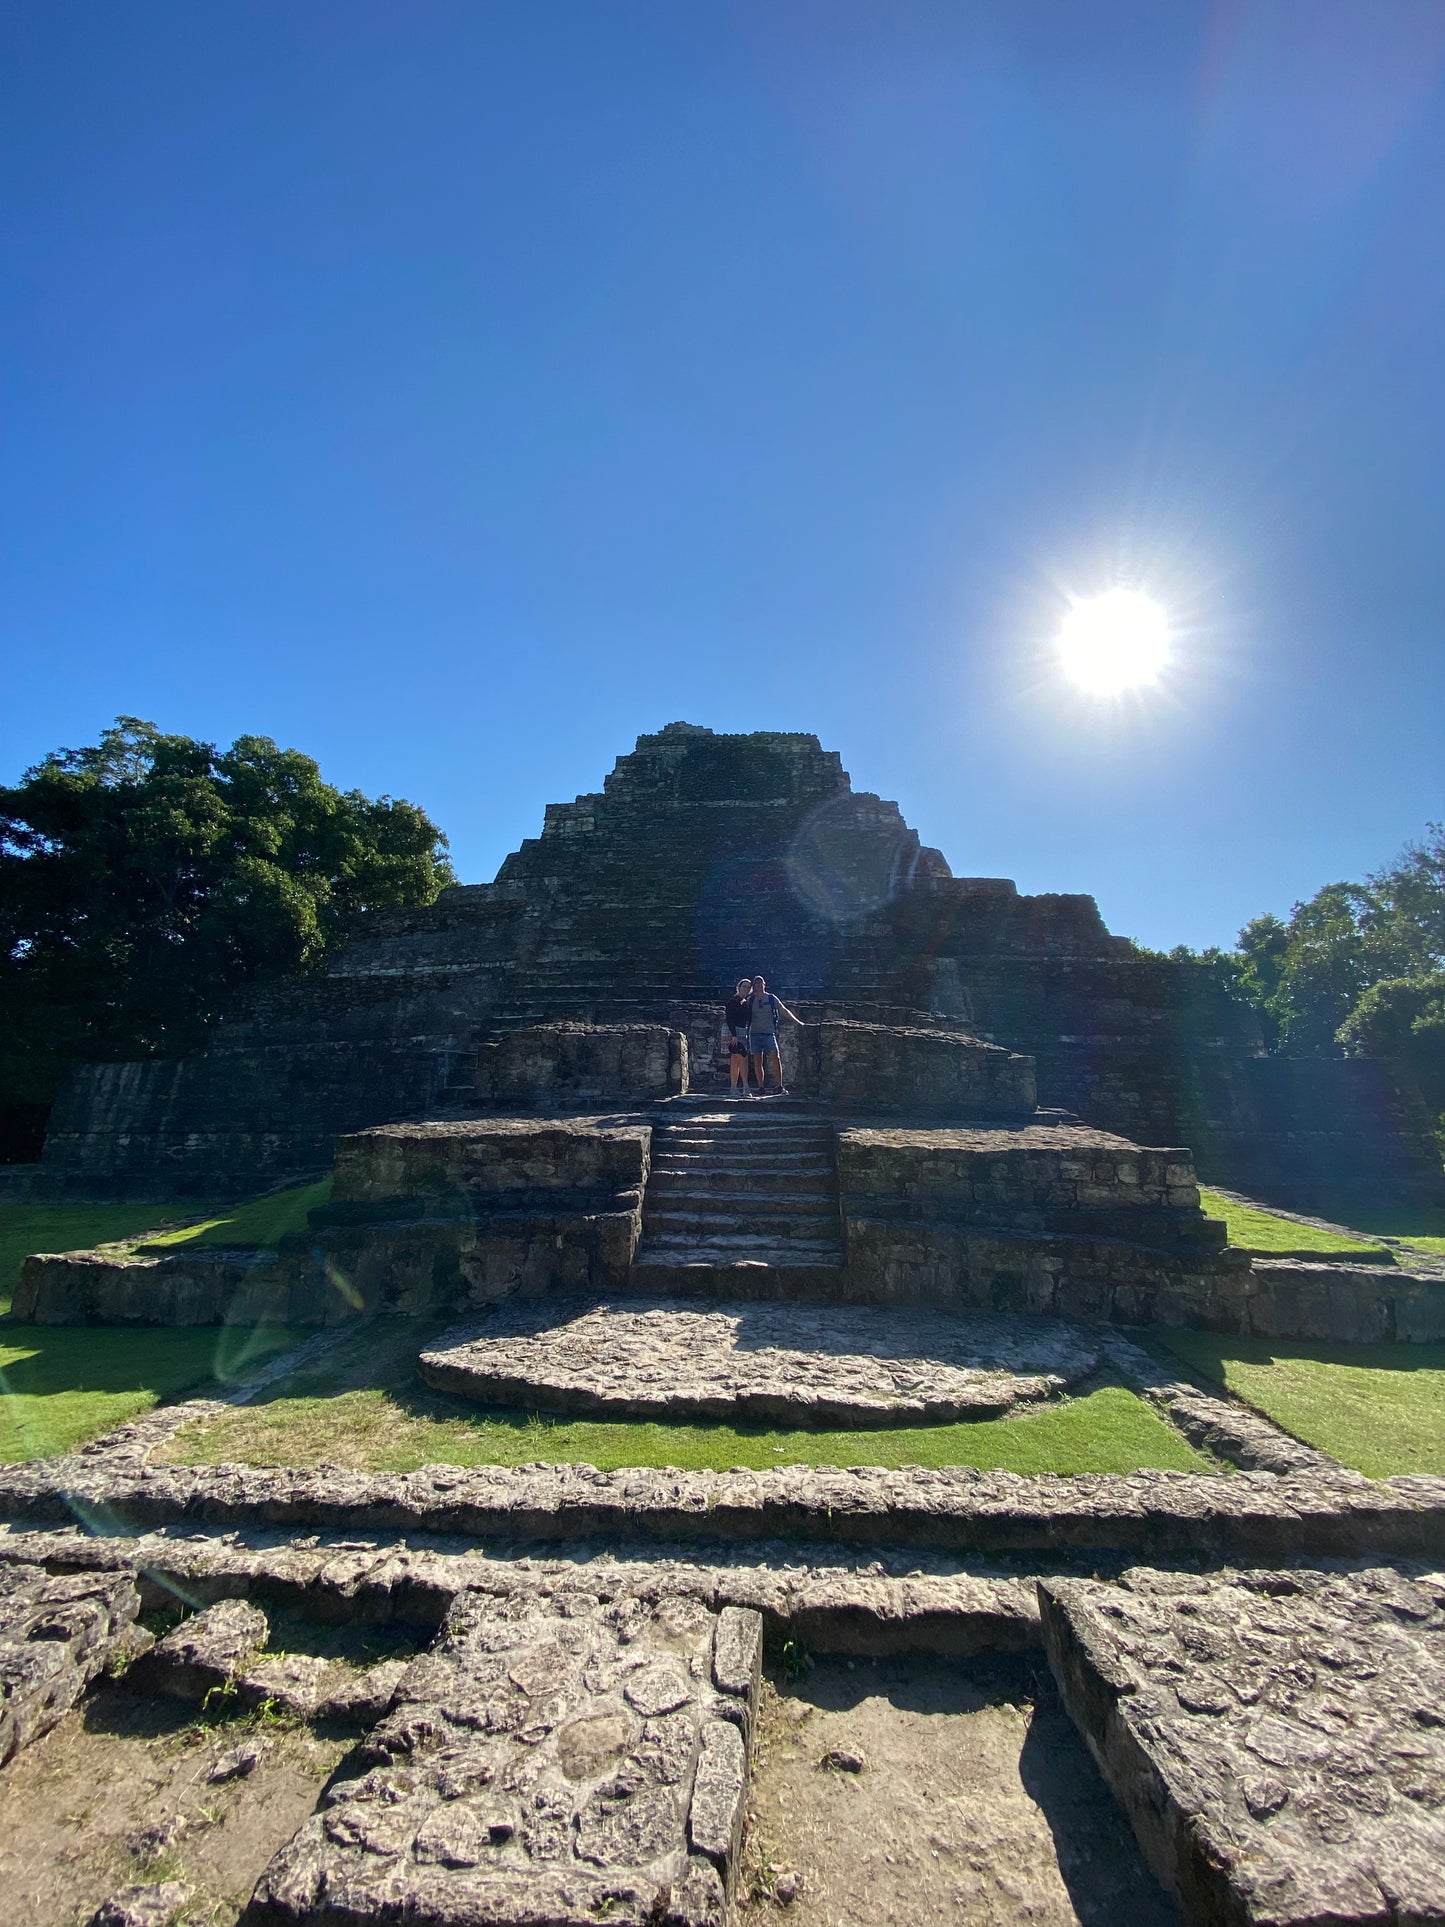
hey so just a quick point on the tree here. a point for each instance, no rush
(144, 878)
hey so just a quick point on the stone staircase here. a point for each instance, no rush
(742, 1201)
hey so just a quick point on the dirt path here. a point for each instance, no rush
(118, 1792)
(976, 1803)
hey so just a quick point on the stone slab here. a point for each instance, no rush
(1277, 1738)
(554, 1758)
(1247, 1517)
(56, 1633)
(780, 1363)
(830, 1605)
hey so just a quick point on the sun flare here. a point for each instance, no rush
(1115, 641)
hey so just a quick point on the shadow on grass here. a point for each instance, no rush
(1378, 1408)
(63, 1384)
(1212, 1352)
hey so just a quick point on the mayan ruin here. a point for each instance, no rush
(978, 1197)
(722, 963)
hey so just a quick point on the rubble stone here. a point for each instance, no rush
(787, 1364)
(141, 1905)
(1276, 1737)
(238, 1764)
(210, 1649)
(549, 1759)
(56, 1633)
(362, 1697)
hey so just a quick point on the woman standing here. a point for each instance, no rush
(736, 1018)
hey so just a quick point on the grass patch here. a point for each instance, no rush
(72, 1227)
(63, 1384)
(1263, 1231)
(1379, 1408)
(258, 1224)
(368, 1410)
(1422, 1226)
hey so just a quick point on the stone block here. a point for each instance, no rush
(1276, 1738)
(56, 1633)
(719, 1789)
(488, 1164)
(737, 1654)
(561, 1064)
(210, 1650)
(877, 1067)
(187, 1288)
(553, 1758)
(143, 1904)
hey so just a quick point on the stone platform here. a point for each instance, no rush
(1277, 1738)
(794, 1365)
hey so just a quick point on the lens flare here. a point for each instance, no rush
(1112, 642)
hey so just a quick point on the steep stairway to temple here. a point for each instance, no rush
(742, 1200)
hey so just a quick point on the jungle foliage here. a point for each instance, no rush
(146, 877)
(1359, 969)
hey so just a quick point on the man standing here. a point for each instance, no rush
(764, 1010)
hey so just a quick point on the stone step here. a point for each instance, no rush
(733, 1250)
(818, 1279)
(784, 1156)
(700, 1182)
(726, 1197)
(758, 1130)
(764, 1237)
(739, 1150)
(762, 1174)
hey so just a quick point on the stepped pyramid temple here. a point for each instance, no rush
(983, 1175)
(993, 1102)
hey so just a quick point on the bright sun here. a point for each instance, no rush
(1114, 641)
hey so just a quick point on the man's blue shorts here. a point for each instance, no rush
(765, 1044)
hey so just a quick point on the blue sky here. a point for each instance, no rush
(456, 390)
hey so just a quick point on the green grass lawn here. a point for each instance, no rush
(1379, 1408)
(1263, 1231)
(63, 1384)
(1420, 1225)
(72, 1227)
(368, 1409)
(259, 1223)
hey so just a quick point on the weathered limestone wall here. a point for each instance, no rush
(456, 1215)
(290, 1070)
(427, 1217)
(923, 1072)
(181, 1288)
(1038, 1177)
(559, 1065)
(1048, 1218)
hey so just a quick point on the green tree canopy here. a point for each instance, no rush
(1358, 968)
(143, 878)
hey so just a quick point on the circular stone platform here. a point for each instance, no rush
(793, 1365)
